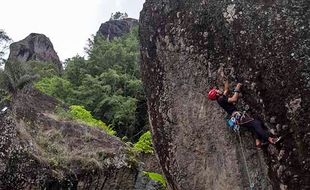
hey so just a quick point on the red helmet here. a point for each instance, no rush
(212, 95)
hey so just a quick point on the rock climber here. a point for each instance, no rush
(244, 120)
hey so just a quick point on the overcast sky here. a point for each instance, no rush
(68, 23)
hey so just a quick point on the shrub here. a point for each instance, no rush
(156, 177)
(144, 144)
(45, 69)
(16, 76)
(80, 114)
(56, 87)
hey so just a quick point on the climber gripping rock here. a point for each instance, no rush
(238, 118)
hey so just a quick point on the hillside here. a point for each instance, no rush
(49, 139)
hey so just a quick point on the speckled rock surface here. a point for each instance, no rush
(35, 47)
(116, 28)
(40, 151)
(263, 44)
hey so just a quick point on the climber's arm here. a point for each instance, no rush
(226, 88)
(235, 97)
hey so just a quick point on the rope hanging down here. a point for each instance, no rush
(245, 163)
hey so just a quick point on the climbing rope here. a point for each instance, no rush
(245, 163)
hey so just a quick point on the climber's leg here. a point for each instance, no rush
(256, 127)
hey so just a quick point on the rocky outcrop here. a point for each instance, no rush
(116, 28)
(38, 150)
(35, 47)
(186, 45)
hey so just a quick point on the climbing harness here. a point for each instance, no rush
(234, 123)
(235, 120)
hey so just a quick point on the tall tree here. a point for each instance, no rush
(118, 15)
(75, 70)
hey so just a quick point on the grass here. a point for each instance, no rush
(81, 115)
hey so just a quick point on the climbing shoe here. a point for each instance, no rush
(258, 143)
(274, 140)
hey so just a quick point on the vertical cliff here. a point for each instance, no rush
(263, 44)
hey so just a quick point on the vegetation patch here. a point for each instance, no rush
(144, 144)
(55, 86)
(156, 177)
(52, 150)
(81, 115)
(108, 83)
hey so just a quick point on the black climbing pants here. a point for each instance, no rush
(256, 126)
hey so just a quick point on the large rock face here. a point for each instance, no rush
(40, 151)
(35, 47)
(116, 28)
(186, 45)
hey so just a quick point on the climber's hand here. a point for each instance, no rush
(238, 87)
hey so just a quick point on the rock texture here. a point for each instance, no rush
(40, 151)
(186, 45)
(35, 47)
(116, 28)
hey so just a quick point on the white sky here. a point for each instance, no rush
(67, 23)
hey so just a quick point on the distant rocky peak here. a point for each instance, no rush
(116, 28)
(35, 47)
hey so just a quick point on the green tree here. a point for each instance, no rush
(107, 84)
(134, 88)
(4, 94)
(120, 112)
(75, 70)
(43, 68)
(17, 75)
(118, 16)
(120, 54)
(4, 40)
(91, 92)
(56, 86)
(116, 64)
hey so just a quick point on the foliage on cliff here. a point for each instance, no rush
(145, 143)
(81, 115)
(156, 177)
(107, 84)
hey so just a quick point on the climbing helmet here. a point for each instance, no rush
(212, 95)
